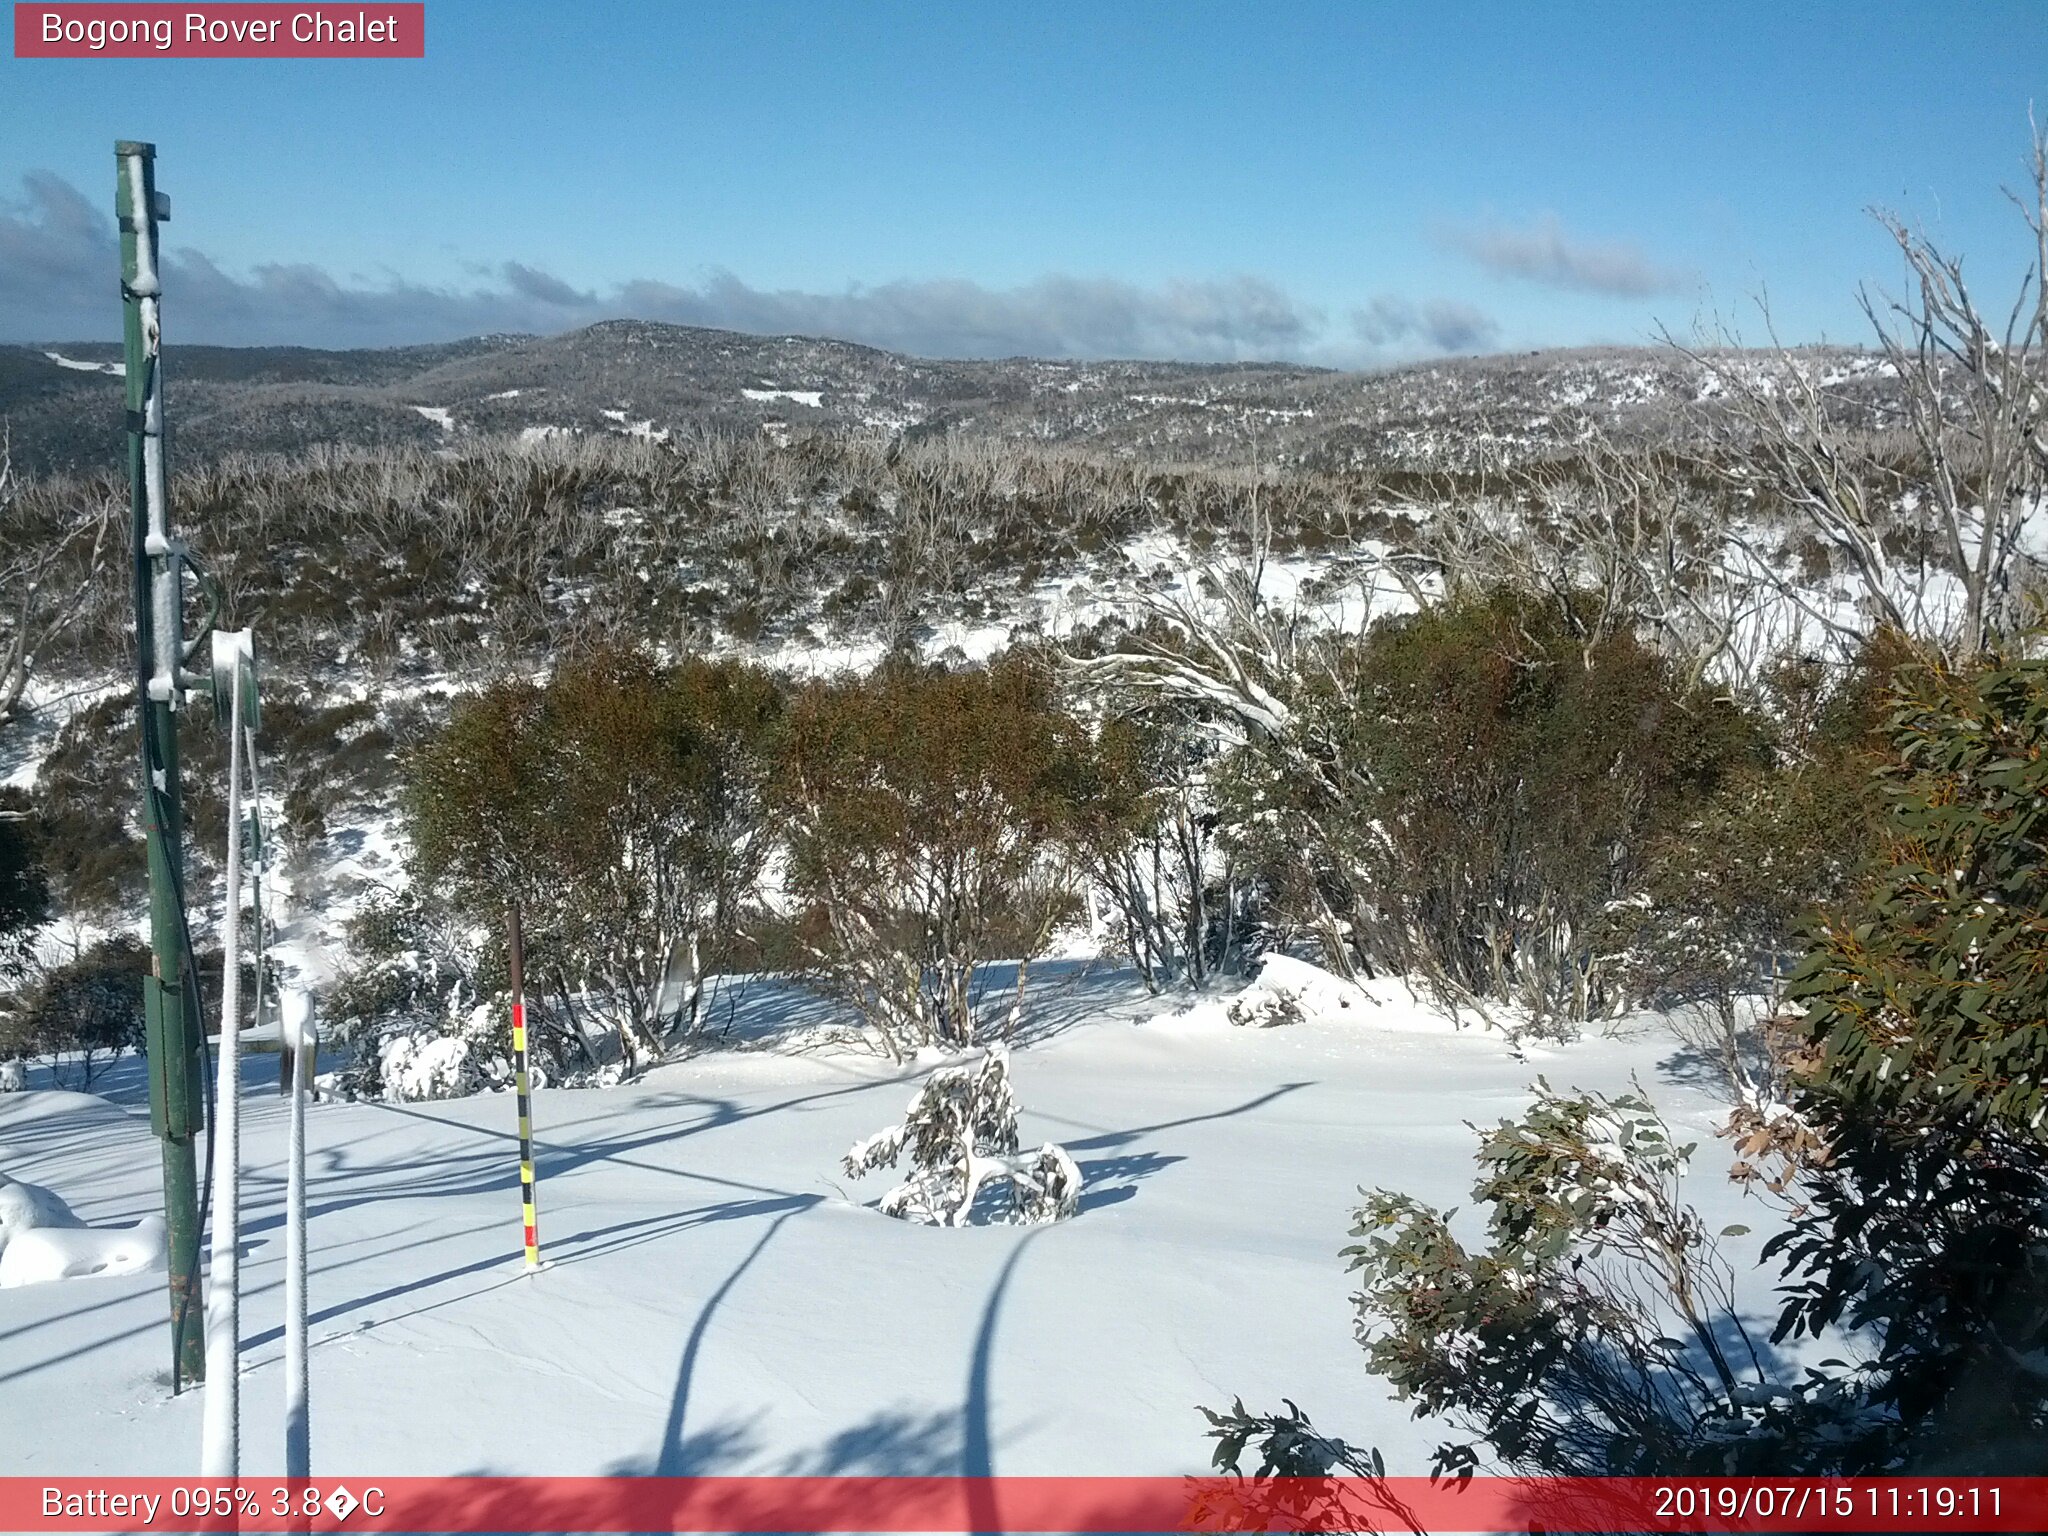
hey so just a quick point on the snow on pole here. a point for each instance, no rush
(296, 1019)
(522, 1081)
(220, 1431)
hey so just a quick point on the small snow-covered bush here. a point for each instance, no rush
(12, 1078)
(1287, 991)
(423, 1014)
(466, 1050)
(43, 1254)
(961, 1135)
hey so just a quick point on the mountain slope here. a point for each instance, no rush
(649, 379)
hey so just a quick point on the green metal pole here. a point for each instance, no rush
(174, 1034)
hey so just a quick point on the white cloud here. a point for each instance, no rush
(1541, 251)
(57, 253)
(1444, 325)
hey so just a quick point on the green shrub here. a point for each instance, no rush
(1731, 890)
(24, 883)
(923, 809)
(1924, 1009)
(623, 804)
(87, 1009)
(1504, 785)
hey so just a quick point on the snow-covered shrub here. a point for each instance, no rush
(397, 985)
(417, 1016)
(960, 1133)
(466, 1048)
(1288, 991)
(12, 1078)
(41, 1240)
(43, 1254)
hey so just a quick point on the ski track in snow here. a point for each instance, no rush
(720, 1299)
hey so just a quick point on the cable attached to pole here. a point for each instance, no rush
(220, 1438)
(295, 1021)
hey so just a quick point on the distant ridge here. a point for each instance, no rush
(650, 378)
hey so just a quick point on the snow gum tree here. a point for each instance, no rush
(1141, 820)
(1932, 499)
(88, 1008)
(1597, 1332)
(1502, 788)
(923, 811)
(624, 805)
(50, 555)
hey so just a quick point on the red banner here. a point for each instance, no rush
(149, 31)
(1005, 1504)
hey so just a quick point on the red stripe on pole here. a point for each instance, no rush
(1079, 1504)
(70, 29)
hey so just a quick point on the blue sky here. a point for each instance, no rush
(1351, 184)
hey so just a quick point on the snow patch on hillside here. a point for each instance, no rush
(116, 369)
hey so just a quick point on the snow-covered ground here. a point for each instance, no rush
(720, 1299)
(117, 369)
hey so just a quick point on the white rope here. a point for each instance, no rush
(220, 1430)
(296, 1025)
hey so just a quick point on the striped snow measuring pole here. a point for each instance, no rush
(523, 1081)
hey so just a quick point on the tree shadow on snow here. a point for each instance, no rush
(1105, 1140)
(897, 1442)
(1109, 1181)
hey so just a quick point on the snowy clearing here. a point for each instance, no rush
(720, 1299)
